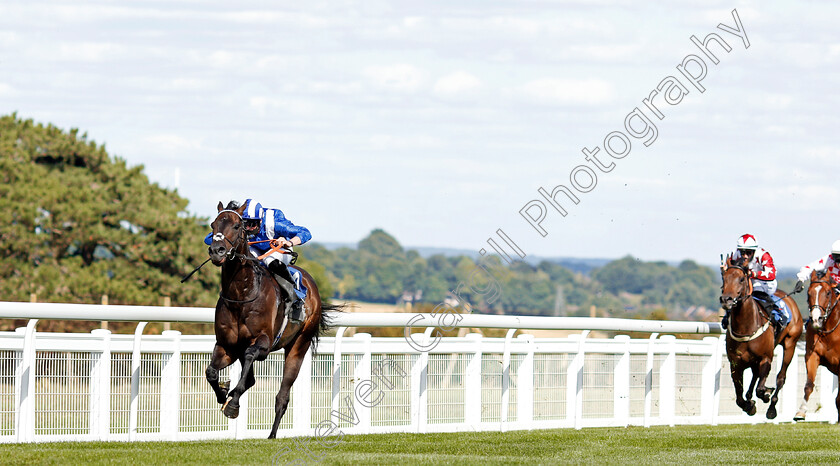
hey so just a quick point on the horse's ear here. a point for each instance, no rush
(221, 206)
(728, 261)
(241, 209)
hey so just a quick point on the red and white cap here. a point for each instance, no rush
(747, 242)
(835, 248)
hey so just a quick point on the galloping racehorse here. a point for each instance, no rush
(822, 343)
(251, 317)
(749, 344)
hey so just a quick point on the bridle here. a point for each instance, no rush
(739, 300)
(233, 254)
(828, 310)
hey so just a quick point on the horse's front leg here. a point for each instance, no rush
(737, 372)
(219, 360)
(259, 350)
(763, 372)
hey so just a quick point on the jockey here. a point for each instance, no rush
(262, 224)
(831, 263)
(763, 274)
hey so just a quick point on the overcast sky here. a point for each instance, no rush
(439, 120)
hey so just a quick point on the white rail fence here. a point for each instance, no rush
(104, 386)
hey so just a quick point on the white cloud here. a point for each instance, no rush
(88, 51)
(399, 77)
(458, 82)
(551, 91)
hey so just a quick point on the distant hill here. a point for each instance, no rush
(575, 264)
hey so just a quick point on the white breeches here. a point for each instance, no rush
(275, 256)
(768, 287)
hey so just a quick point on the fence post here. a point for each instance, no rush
(525, 385)
(26, 402)
(667, 381)
(19, 370)
(791, 392)
(649, 378)
(336, 373)
(419, 386)
(828, 393)
(302, 396)
(135, 382)
(100, 388)
(621, 379)
(472, 384)
(362, 373)
(574, 383)
(170, 389)
(710, 382)
(505, 412)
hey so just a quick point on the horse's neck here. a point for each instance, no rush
(745, 317)
(238, 278)
(833, 313)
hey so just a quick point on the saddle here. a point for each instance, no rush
(780, 313)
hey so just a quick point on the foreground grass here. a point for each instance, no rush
(759, 444)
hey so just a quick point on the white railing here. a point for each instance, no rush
(104, 386)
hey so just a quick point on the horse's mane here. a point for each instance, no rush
(232, 205)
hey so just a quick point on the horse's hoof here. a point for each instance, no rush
(771, 412)
(752, 409)
(799, 416)
(230, 410)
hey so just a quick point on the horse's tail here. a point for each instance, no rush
(328, 311)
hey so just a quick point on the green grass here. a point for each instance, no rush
(747, 444)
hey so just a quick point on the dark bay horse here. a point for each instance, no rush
(822, 343)
(251, 316)
(749, 344)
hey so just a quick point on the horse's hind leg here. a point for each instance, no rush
(291, 368)
(763, 372)
(259, 350)
(218, 361)
(790, 348)
(812, 363)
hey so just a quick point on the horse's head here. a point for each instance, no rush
(228, 233)
(820, 297)
(736, 283)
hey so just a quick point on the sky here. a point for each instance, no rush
(438, 121)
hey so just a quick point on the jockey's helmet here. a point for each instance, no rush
(251, 216)
(747, 245)
(747, 242)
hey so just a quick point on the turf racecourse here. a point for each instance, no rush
(750, 444)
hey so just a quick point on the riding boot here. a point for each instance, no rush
(294, 304)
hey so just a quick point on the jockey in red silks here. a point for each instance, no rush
(762, 271)
(829, 263)
(265, 227)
